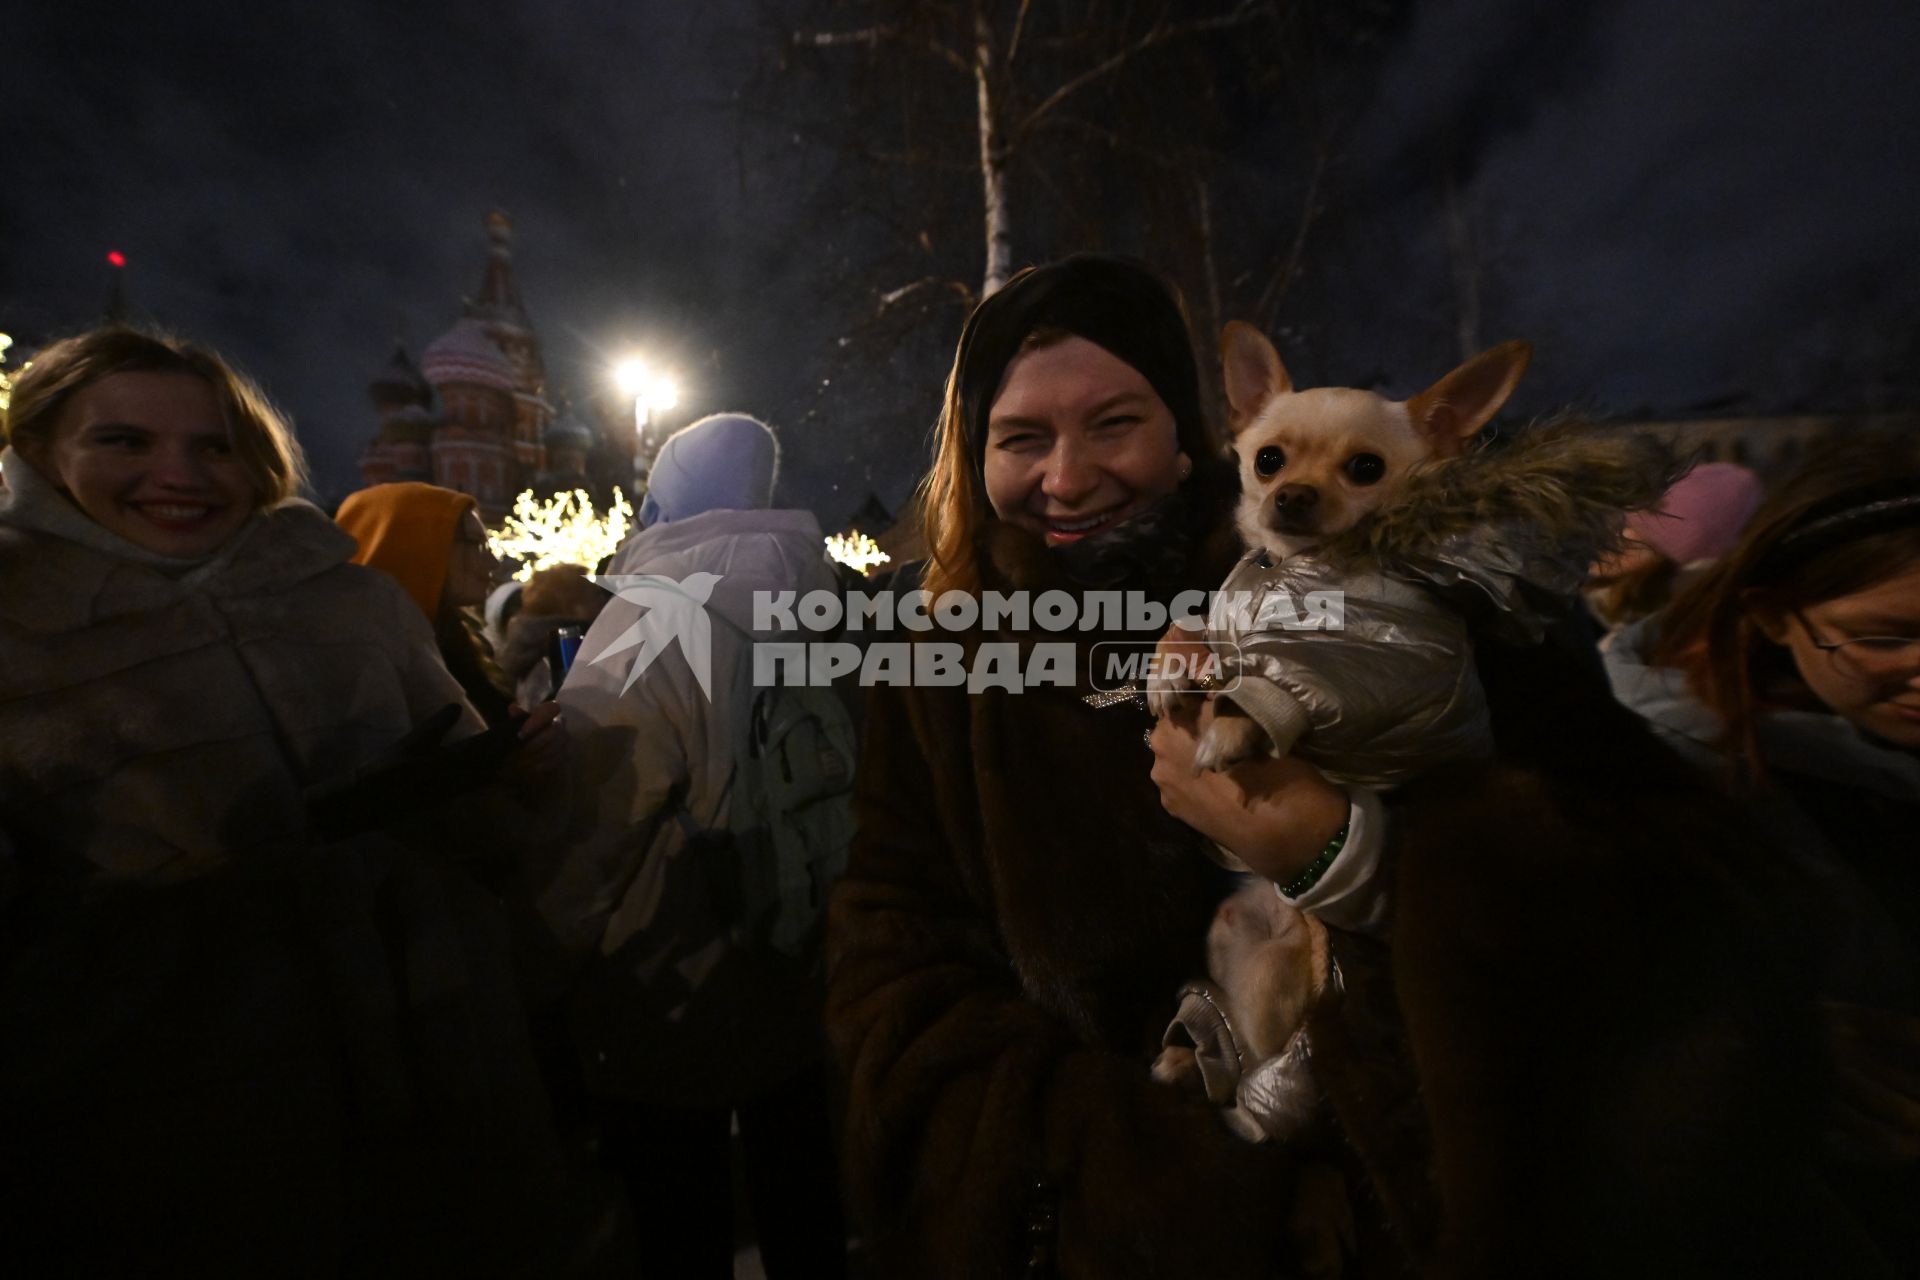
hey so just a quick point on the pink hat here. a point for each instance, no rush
(1702, 515)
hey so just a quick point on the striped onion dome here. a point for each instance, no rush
(465, 354)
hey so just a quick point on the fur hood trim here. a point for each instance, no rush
(1513, 529)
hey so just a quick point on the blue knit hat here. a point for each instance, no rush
(725, 462)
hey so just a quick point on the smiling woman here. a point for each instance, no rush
(150, 457)
(1073, 407)
(1078, 441)
(1019, 910)
(188, 962)
(158, 442)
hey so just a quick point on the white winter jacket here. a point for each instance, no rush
(669, 1010)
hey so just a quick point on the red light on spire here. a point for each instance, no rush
(116, 257)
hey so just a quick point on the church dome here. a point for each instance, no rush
(465, 354)
(398, 382)
(567, 432)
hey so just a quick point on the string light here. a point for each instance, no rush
(856, 551)
(565, 529)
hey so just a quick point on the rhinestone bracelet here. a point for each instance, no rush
(1311, 876)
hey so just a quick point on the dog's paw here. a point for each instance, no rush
(1159, 703)
(1228, 741)
(1164, 694)
(1178, 1066)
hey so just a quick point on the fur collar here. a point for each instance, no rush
(1508, 532)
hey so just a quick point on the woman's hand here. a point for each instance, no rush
(1274, 815)
(545, 746)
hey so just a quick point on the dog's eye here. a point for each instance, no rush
(1366, 468)
(1269, 460)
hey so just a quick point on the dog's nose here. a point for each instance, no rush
(1296, 498)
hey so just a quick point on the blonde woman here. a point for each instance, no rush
(211, 1021)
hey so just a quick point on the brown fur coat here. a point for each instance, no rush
(1614, 1041)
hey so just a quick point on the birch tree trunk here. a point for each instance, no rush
(993, 156)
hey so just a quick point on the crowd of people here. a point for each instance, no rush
(346, 928)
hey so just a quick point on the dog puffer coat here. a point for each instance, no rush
(226, 1047)
(1359, 653)
(1380, 680)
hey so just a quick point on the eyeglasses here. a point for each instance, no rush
(1872, 656)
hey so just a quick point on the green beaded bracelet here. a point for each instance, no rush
(1311, 876)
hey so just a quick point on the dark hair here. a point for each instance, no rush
(1847, 521)
(1117, 303)
(1635, 594)
(262, 439)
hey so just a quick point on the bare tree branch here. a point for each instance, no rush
(1297, 251)
(1247, 11)
(869, 36)
(893, 297)
(1019, 27)
(875, 37)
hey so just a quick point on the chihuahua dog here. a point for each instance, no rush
(1314, 464)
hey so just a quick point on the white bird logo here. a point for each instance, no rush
(669, 609)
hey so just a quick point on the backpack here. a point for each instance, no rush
(788, 802)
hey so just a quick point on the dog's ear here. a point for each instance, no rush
(1449, 412)
(1254, 374)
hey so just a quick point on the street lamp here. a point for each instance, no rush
(651, 389)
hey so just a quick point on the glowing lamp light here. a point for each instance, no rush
(647, 386)
(116, 258)
(630, 376)
(856, 551)
(565, 529)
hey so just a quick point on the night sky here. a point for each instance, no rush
(1688, 207)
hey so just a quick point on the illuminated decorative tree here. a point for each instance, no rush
(6, 383)
(565, 529)
(856, 551)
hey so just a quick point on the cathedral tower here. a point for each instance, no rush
(503, 318)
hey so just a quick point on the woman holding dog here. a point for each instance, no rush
(1021, 911)
(228, 1046)
(1792, 674)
